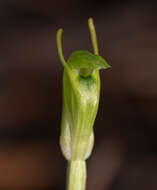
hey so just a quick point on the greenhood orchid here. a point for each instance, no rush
(81, 92)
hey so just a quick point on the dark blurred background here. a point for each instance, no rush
(125, 152)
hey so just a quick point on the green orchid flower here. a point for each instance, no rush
(81, 92)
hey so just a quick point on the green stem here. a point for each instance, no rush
(76, 175)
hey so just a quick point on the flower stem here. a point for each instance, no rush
(76, 175)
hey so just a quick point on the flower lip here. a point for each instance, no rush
(85, 72)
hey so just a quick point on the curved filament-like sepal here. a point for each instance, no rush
(93, 36)
(59, 47)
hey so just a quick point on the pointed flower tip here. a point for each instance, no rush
(103, 63)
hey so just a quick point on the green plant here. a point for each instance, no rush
(81, 91)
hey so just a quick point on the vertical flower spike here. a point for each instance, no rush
(81, 91)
